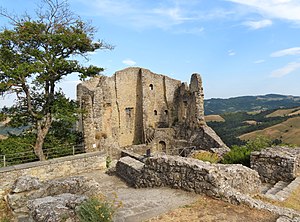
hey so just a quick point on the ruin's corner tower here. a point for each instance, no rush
(136, 106)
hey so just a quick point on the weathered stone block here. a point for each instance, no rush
(129, 169)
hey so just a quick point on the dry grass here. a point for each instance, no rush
(250, 122)
(206, 156)
(214, 118)
(288, 131)
(5, 213)
(284, 112)
(212, 210)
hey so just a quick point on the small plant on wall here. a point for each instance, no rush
(98, 209)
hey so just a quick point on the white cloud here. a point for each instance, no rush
(282, 9)
(129, 62)
(140, 14)
(289, 68)
(258, 24)
(259, 61)
(231, 53)
(285, 52)
(190, 31)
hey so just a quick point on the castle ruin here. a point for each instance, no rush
(136, 106)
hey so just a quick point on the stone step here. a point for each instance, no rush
(282, 190)
(277, 187)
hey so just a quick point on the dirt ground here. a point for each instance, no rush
(211, 210)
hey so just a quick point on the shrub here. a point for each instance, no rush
(97, 209)
(237, 155)
(241, 154)
(206, 156)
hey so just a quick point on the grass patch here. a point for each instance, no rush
(5, 213)
(206, 156)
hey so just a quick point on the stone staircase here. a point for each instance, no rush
(281, 190)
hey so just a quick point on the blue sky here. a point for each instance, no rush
(240, 47)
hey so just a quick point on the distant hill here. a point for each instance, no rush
(250, 103)
(279, 124)
(287, 131)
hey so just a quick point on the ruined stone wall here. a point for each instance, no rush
(134, 104)
(277, 164)
(188, 174)
(231, 183)
(51, 169)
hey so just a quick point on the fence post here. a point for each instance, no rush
(4, 161)
(73, 147)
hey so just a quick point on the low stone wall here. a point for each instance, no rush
(277, 164)
(188, 174)
(231, 183)
(51, 169)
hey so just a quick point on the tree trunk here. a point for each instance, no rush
(43, 127)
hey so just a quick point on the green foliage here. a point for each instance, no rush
(2, 117)
(96, 210)
(206, 156)
(241, 154)
(35, 54)
(237, 155)
(17, 149)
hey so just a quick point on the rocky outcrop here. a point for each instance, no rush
(277, 164)
(55, 208)
(60, 195)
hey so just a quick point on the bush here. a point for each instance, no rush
(241, 154)
(237, 155)
(97, 209)
(206, 156)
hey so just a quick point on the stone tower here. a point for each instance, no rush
(136, 106)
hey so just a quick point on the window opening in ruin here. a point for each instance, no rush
(155, 112)
(162, 146)
(151, 86)
(185, 103)
(166, 112)
(128, 111)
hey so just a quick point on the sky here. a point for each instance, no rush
(240, 47)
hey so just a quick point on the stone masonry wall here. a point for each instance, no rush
(51, 169)
(231, 183)
(188, 174)
(277, 164)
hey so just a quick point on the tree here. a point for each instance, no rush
(35, 54)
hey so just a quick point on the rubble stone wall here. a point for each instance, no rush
(51, 169)
(277, 164)
(188, 174)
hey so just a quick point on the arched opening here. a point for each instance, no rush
(162, 147)
(155, 112)
(166, 112)
(151, 86)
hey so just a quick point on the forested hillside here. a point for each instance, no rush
(250, 103)
(248, 125)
